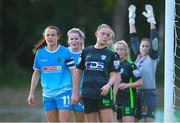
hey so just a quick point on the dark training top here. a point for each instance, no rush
(129, 74)
(97, 64)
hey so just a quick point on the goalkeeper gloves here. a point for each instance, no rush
(149, 14)
(132, 14)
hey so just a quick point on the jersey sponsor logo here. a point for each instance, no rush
(136, 73)
(44, 60)
(51, 68)
(116, 64)
(103, 57)
(106, 102)
(92, 65)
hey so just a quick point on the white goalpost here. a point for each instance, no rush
(169, 60)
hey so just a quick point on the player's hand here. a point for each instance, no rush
(105, 89)
(74, 98)
(149, 14)
(132, 14)
(31, 99)
(123, 86)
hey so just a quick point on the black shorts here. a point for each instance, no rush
(95, 105)
(125, 111)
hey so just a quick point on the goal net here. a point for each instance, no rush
(172, 61)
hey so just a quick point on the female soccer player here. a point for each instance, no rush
(130, 79)
(100, 66)
(51, 64)
(147, 60)
(76, 43)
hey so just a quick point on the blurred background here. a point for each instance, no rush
(22, 23)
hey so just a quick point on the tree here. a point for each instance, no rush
(120, 18)
(0, 36)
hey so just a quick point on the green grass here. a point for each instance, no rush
(20, 117)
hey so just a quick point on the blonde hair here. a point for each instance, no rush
(80, 33)
(105, 26)
(111, 41)
(125, 45)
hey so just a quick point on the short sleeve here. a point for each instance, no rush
(69, 61)
(81, 61)
(36, 64)
(114, 63)
(135, 72)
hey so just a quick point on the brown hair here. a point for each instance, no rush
(146, 39)
(80, 33)
(42, 40)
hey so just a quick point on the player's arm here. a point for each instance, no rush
(34, 82)
(75, 84)
(114, 78)
(149, 14)
(132, 29)
(135, 79)
(114, 74)
(115, 86)
(75, 90)
(77, 74)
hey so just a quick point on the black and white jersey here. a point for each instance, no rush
(97, 64)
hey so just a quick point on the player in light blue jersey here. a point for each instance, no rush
(51, 65)
(76, 43)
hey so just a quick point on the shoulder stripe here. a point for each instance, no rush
(131, 62)
(111, 49)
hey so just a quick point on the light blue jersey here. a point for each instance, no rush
(54, 73)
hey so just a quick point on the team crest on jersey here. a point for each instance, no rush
(58, 59)
(103, 57)
(136, 73)
(116, 64)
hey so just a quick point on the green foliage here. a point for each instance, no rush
(23, 22)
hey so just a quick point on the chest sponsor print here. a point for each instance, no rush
(51, 68)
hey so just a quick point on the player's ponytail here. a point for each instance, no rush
(38, 44)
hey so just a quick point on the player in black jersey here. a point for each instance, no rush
(101, 70)
(130, 79)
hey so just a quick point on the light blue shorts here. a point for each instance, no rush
(78, 107)
(61, 102)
